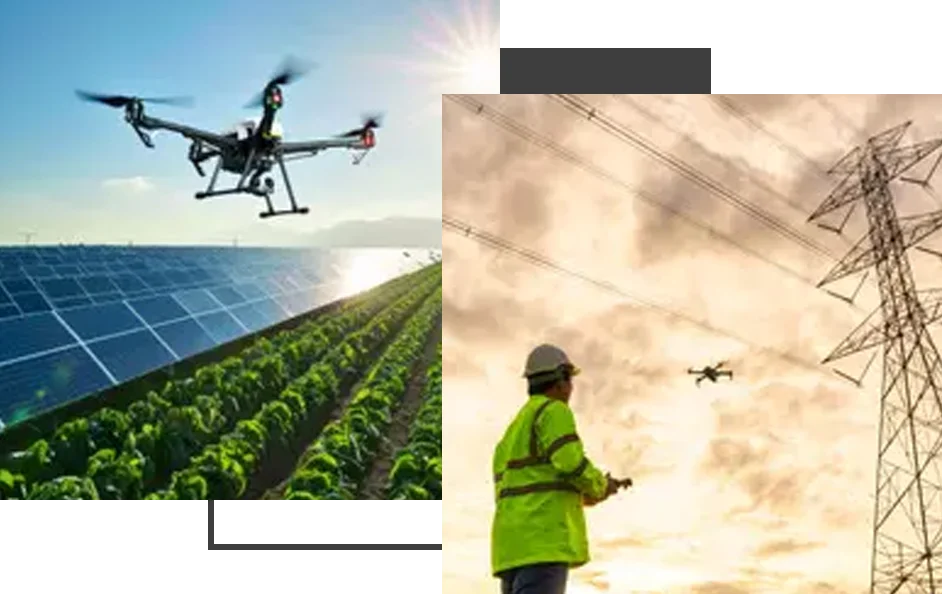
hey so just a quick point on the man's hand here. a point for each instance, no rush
(611, 488)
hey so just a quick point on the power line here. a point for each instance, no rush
(636, 106)
(730, 107)
(514, 127)
(537, 259)
(836, 114)
(603, 121)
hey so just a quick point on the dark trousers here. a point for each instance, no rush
(544, 578)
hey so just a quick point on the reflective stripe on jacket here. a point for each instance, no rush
(541, 473)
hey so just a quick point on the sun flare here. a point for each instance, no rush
(465, 50)
(479, 71)
(457, 53)
(362, 272)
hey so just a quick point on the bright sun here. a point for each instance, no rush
(361, 273)
(459, 53)
(479, 71)
(364, 269)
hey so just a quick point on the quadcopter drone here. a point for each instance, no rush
(252, 149)
(711, 373)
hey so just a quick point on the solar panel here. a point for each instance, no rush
(250, 291)
(249, 316)
(128, 283)
(130, 355)
(69, 303)
(61, 287)
(75, 319)
(101, 320)
(186, 337)
(18, 285)
(221, 326)
(227, 296)
(96, 285)
(45, 381)
(155, 280)
(31, 302)
(32, 335)
(161, 308)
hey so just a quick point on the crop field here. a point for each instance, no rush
(346, 405)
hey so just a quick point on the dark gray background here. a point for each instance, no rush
(209, 548)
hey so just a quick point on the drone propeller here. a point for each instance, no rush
(369, 122)
(123, 100)
(291, 70)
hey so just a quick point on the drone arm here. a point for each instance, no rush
(316, 146)
(149, 123)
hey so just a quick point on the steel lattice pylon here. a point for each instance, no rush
(907, 538)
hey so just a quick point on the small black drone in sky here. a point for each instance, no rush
(252, 148)
(711, 373)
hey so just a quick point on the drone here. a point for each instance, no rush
(252, 148)
(711, 373)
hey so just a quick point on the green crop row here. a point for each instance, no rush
(223, 470)
(113, 446)
(417, 468)
(122, 454)
(336, 464)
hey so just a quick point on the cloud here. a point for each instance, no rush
(721, 588)
(137, 184)
(786, 547)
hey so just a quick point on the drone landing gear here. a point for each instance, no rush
(255, 188)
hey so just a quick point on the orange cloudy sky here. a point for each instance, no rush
(760, 485)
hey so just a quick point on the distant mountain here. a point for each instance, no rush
(392, 232)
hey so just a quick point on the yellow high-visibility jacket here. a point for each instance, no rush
(541, 473)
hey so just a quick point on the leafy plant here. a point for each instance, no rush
(227, 469)
(417, 469)
(346, 448)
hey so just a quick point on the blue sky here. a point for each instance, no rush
(65, 165)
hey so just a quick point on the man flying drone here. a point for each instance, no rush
(711, 373)
(252, 149)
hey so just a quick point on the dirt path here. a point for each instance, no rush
(337, 409)
(273, 484)
(398, 433)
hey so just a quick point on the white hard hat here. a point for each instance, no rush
(547, 358)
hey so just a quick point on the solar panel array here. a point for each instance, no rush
(75, 320)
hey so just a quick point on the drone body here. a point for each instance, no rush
(250, 150)
(711, 373)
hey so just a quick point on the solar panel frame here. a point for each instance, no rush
(61, 288)
(31, 302)
(30, 335)
(21, 381)
(19, 285)
(97, 284)
(132, 354)
(100, 321)
(221, 326)
(158, 309)
(186, 337)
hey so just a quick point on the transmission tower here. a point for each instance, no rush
(907, 524)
